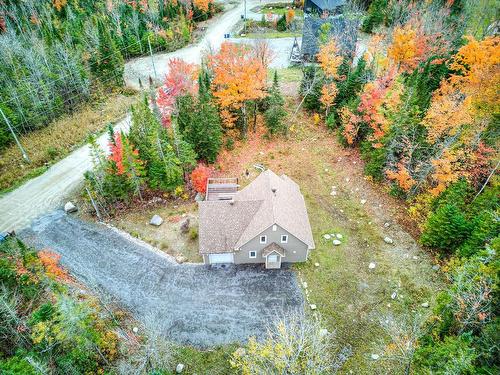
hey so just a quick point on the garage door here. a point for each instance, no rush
(221, 258)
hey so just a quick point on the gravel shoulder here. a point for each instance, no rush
(192, 304)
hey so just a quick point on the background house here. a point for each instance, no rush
(266, 222)
(343, 29)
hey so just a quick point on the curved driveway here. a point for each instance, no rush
(190, 303)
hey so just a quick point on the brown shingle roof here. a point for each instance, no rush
(273, 247)
(268, 200)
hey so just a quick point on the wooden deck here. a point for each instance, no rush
(221, 188)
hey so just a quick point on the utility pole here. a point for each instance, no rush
(245, 17)
(25, 155)
(152, 58)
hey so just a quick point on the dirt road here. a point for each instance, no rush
(49, 190)
(190, 303)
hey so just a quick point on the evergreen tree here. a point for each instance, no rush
(199, 121)
(107, 63)
(275, 113)
(445, 229)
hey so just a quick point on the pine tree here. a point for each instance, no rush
(275, 114)
(107, 63)
(199, 121)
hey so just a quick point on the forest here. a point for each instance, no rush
(421, 106)
(55, 55)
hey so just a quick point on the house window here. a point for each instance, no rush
(263, 239)
(253, 254)
(284, 238)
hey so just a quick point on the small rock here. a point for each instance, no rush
(436, 267)
(375, 357)
(394, 295)
(363, 201)
(179, 368)
(387, 225)
(336, 242)
(323, 332)
(333, 193)
(347, 179)
(316, 264)
(342, 211)
(70, 207)
(199, 197)
(135, 329)
(180, 258)
(353, 162)
(425, 304)
(339, 236)
(372, 265)
(156, 220)
(388, 240)
(326, 169)
(327, 236)
(185, 226)
(312, 306)
(415, 257)
(304, 284)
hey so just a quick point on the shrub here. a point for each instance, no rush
(193, 233)
(281, 25)
(446, 228)
(454, 355)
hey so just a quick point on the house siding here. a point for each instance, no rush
(293, 245)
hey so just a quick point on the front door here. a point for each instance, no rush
(273, 260)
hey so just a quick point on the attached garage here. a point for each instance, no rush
(220, 258)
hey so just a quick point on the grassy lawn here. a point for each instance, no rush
(352, 298)
(52, 143)
(280, 10)
(167, 236)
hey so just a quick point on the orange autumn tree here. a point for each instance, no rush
(239, 76)
(329, 59)
(411, 45)
(203, 5)
(461, 111)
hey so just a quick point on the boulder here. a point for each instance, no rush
(312, 306)
(363, 201)
(327, 236)
(336, 242)
(425, 304)
(185, 226)
(316, 264)
(372, 265)
(199, 197)
(339, 236)
(394, 295)
(156, 220)
(135, 329)
(388, 240)
(375, 356)
(70, 207)
(435, 267)
(323, 332)
(179, 368)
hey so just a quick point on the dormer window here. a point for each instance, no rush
(284, 238)
(263, 239)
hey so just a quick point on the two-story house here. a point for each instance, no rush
(265, 222)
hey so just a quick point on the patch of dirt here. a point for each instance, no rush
(351, 296)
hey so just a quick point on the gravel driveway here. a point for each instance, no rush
(191, 303)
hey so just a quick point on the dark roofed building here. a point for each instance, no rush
(320, 6)
(343, 29)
